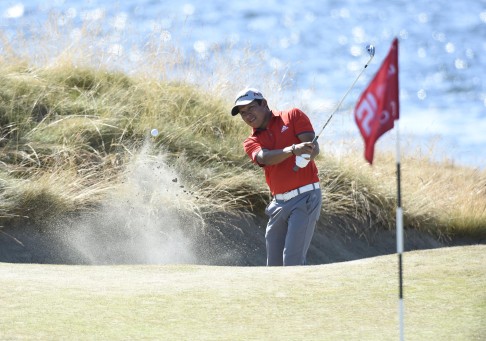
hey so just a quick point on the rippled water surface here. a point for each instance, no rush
(318, 48)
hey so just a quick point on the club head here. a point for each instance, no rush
(371, 50)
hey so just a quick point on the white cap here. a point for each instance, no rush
(245, 97)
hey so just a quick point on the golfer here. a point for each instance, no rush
(281, 140)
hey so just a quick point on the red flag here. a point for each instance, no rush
(378, 106)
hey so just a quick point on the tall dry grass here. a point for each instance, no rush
(73, 117)
(437, 197)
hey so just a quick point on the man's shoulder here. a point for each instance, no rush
(289, 114)
(253, 138)
(286, 111)
(250, 138)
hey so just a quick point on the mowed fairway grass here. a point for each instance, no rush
(444, 290)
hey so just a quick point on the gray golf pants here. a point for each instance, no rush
(291, 227)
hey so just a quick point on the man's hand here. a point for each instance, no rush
(304, 148)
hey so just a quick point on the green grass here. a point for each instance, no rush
(443, 294)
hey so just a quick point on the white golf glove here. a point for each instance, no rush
(302, 160)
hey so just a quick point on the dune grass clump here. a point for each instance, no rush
(71, 124)
(437, 197)
(92, 122)
(68, 133)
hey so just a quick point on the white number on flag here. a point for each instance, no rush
(367, 108)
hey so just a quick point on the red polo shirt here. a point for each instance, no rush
(282, 131)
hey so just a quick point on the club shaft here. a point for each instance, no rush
(342, 99)
(296, 168)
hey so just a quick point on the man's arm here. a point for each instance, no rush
(273, 157)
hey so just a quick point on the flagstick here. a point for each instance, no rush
(399, 227)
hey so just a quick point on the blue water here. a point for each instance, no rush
(299, 53)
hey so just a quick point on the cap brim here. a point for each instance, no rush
(235, 110)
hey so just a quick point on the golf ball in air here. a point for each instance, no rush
(154, 132)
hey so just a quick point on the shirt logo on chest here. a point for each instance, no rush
(284, 128)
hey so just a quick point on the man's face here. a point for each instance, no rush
(255, 115)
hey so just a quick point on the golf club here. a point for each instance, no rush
(371, 51)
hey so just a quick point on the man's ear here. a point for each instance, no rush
(265, 104)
